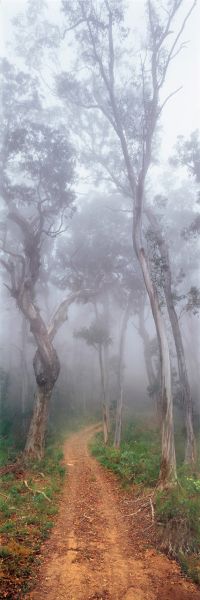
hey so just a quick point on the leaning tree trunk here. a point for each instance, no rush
(120, 395)
(46, 368)
(46, 365)
(168, 458)
(46, 374)
(190, 451)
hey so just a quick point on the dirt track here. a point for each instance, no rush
(96, 551)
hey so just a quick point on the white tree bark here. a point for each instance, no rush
(190, 450)
(120, 392)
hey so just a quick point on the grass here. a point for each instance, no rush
(177, 510)
(178, 514)
(26, 518)
(137, 461)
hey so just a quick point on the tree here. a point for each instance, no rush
(37, 174)
(131, 107)
(190, 451)
(97, 336)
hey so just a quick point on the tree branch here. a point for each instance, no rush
(61, 314)
(168, 98)
(170, 54)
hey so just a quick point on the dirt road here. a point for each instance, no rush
(96, 551)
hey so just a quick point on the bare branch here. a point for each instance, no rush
(67, 29)
(49, 232)
(61, 313)
(171, 52)
(168, 98)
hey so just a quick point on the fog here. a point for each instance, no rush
(100, 172)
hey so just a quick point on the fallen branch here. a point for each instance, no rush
(152, 510)
(144, 505)
(149, 527)
(36, 491)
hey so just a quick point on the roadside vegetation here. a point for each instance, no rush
(29, 498)
(177, 509)
(28, 506)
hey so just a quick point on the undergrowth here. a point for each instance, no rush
(178, 515)
(28, 505)
(177, 510)
(137, 461)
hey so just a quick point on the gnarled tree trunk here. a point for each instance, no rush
(46, 374)
(35, 440)
(46, 366)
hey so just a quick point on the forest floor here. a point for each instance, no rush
(102, 544)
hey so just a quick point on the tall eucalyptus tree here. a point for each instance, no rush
(110, 82)
(37, 172)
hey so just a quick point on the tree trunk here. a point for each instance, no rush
(190, 451)
(106, 305)
(104, 400)
(103, 391)
(168, 458)
(24, 373)
(151, 375)
(34, 447)
(46, 376)
(46, 367)
(120, 396)
(107, 383)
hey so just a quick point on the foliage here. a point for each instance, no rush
(193, 303)
(95, 334)
(187, 153)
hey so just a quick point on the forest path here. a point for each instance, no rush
(95, 551)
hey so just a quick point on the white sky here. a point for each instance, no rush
(182, 114)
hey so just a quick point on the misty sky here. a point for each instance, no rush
(182, 114)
